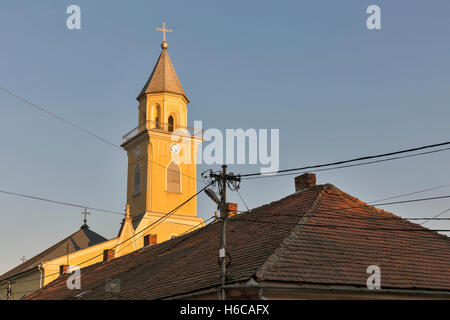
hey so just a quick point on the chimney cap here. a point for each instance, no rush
(305, 181)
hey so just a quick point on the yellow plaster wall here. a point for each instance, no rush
(156, 156)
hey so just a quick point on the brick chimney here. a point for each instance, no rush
(150, 239)
(108, 254)
(63, 269)
(232, 209)
(305, 181)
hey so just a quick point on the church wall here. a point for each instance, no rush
(94, 254)
(174, 225)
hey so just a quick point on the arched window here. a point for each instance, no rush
(173, 177)
(158, 117)
(137, 180)
(170, 129)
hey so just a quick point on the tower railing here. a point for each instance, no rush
(152, 125)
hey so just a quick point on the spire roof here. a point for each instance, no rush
(163, 77)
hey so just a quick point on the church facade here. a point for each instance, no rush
(158, 181)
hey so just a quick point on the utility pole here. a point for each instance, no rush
(222, 179)
(224, 216)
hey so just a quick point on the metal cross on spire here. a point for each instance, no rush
(85, 216)
(164, 30)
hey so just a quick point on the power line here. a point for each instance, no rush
(168, 249)
(340, 217)
(436, 217)
(410, 193)
(326, 226)
(115, 246)
(77, 126)
(154, 223)
(243, 201)
(59, 202)
(363, 218)
(119, 213)
(374, 218)
(266, 175)
(413, 200)
(60, 118)
(343, 227)
(155, 226)
(362, 205)
(277, 173)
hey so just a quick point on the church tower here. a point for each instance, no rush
(162, 155)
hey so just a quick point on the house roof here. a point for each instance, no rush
(163, 77)
(320, 235)
(82, 238)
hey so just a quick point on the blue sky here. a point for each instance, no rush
(335, 90)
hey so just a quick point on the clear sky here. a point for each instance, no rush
(335, 90)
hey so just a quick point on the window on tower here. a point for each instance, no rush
(170, 124)
(173, 177)
(137, 180)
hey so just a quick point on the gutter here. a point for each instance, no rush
(337, 289)
(193, 294)
(251, 284)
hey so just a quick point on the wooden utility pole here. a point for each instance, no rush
(224, 216)
(222, 179)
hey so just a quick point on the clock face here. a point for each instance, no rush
(137, 152)
(175, 148)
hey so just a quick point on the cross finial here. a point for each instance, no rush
(85, 216)
(23, 259)
(164, 30)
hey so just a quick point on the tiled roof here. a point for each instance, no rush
(317, 236)
(82, 238)
(163, 78)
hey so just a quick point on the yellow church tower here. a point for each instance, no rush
(162, 156)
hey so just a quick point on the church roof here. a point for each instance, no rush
(318, 236)
(81, 239)
(163, 77)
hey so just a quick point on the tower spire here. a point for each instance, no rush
(163, 78)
